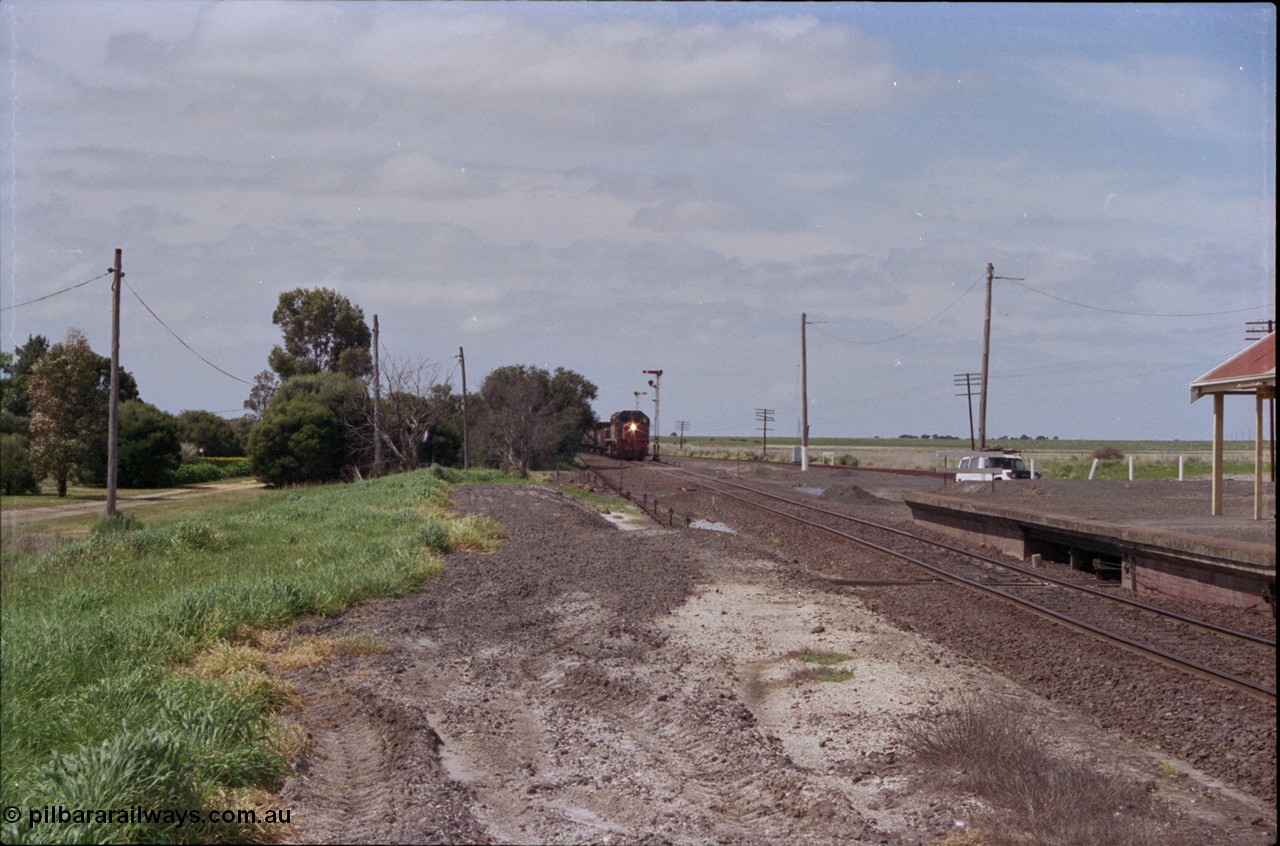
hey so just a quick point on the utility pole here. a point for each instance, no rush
(1256, 330)
(683, 426)
(965, 380)
(377, 404)
(466, 456)
(804, 393)
(986, 356)
(639, 394)
(656, 430)
(113, 403)
(765, 416)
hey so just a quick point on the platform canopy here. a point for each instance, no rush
(1251, 371)
(1245, 372)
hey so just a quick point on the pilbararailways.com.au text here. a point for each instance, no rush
(138, 815)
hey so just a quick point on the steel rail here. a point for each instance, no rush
(1123, 600)
(1253, 689)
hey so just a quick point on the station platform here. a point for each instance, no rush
(1157, 538)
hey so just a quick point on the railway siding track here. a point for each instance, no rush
(1245, 671)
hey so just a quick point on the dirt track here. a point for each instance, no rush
(587, 684)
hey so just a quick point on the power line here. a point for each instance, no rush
(909, 331)
(184, 343)
(63, 291)
(1135, 313)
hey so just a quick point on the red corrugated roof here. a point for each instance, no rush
(1256, 364)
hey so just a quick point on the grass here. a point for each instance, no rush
(1033, 795)
(1055, 459)
(825, 668)
(134, 667)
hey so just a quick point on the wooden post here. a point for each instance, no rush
(466, 454)
(986, 360)
(1216, 498)
(1257, 455)
(113, 401)
(804, 400)
(377, 404)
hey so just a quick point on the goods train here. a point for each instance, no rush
(626, 435)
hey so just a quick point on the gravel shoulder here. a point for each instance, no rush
(595, 681)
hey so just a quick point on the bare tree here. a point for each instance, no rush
(408, 412)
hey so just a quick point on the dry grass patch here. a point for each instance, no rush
(988, 750)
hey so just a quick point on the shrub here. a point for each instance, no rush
(1107, 453)
(15, 466)
(195, 474)
(149, 447)
(847, 461)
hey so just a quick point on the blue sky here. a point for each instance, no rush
(616, 187)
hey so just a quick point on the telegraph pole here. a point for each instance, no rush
(965, 380)
(657, 432)
(765, 416)
(377, 404)
(804, 393)
(113, 403)
(466, 456)
(683, 426)
(986, 357)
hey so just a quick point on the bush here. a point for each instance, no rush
(847, 461)
(195, 474)
(149, 447)
(1107, 453)
(16, 476)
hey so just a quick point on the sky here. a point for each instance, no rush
(615, 187)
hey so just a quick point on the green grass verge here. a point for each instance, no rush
(101, 709)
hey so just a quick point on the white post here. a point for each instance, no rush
(1181, 460)
(1092, 468)
(1131, 468)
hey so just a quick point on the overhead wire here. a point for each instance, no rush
(909, 331)
(1131, 313)
(56, 293)
(179, 339)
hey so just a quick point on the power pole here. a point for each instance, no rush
(765, 416)
(804, 398)
(804, 393)
(965, 380)
(113, 402)
(656, 430)
(466, 456)
(986, 356)
(377, 404)
(683, 426)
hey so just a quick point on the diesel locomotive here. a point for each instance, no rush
(626, 435)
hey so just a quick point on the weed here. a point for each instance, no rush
(988, 750)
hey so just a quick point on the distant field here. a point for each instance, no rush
(1054, 458)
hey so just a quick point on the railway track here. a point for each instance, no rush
(1240, 660)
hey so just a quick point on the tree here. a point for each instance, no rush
(68, 388)
(17, 371)
(323, 331)
(149, 447)
(67, 401)
(410, 410)
(15, 466)
(530, 419)
(303, 435)
(264, 385)
(209, 433)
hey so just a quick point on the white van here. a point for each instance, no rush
(987, 466)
